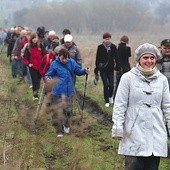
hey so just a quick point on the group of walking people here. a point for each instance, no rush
(141, 98)
(110, 58)
(49, 59)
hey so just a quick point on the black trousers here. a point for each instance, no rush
(142, 163)
(36, 79)
(108, 80)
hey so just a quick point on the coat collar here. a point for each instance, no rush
(135, 71)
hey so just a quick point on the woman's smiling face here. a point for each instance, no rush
(147, 61)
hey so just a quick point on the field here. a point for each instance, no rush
(28, 146)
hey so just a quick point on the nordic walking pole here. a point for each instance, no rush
(85, 86)
(39, 104)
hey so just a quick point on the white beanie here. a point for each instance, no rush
(68, 38)
(52, 33)
(147, 49)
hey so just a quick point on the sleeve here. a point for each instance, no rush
(117, 59)
(120, 106)
(51, 72)
(166, 104)
(77, 69)
(97, 61)
(15, 48)
(78, 57)
(26, 57)
(128, 51)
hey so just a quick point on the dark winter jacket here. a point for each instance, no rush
(110, 57)
(11, 42)
(124, 54)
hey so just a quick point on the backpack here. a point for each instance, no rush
(23, 50)
(47, 59)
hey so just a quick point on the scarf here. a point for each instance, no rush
(107, 47)
(146, 73)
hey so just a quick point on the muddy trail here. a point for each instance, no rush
(81, 124)
(81, 127)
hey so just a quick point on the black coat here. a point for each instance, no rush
(124, 53)
(110, 57)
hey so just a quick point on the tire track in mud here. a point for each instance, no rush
(90, 107)
(93, 109)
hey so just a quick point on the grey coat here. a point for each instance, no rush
(142, 106)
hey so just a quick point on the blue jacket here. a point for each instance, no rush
(63, 74)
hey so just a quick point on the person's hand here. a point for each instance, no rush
(15, 57)
(30, 65)
(12, 57)
(87, 70)
(49, 84)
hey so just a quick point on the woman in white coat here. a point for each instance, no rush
(141, 111)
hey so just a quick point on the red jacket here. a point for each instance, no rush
(34, 57)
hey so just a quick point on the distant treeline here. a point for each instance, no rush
(91, 16)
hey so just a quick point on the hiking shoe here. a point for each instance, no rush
(66, 130)
(107, 105)
(35, 98)
(111, 100)
(60, 135)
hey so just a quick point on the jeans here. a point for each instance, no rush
(14, 65)
(21, 70)
(142, 163)
(108, 80)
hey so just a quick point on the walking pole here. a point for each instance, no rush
(39, 104)
(85, 85)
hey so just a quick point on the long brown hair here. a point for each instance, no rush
(31, 44)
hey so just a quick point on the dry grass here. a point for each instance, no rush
(88, 44)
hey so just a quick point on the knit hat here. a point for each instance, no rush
(68, 38)
(147, 49)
